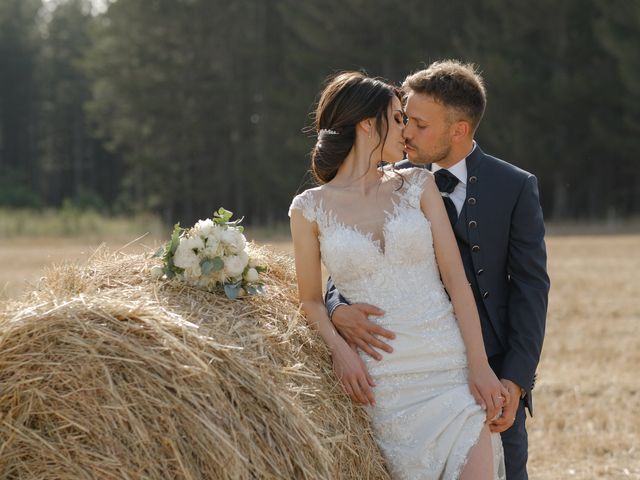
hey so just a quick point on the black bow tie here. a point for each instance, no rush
(446, 181)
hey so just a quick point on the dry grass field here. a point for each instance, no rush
(586, 423)
(587, 399)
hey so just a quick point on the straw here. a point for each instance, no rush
(108, 374)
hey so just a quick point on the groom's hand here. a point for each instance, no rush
(353, 324)
(510, 410)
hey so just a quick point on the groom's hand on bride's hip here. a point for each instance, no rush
(352, 322)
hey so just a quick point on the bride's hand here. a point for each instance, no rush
(353, 374)
(488, 391)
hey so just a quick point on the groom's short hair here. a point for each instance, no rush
(454, 84)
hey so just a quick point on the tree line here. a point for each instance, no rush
(181, 106)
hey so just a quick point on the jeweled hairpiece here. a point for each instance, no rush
(327, 131)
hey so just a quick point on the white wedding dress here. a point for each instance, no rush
(425, 419)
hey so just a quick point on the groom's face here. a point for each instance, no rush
(427, 132)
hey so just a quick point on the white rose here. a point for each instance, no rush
(204, 228)
(234, 239)
(215, 233)
(251, 275)
(212, 249)
(185, 257)
(193, 271)
(194, 242)
(234, 265)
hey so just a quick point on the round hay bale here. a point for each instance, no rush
(107, 374)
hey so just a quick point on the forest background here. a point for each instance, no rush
(177, 107)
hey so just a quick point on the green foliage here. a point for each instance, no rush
(232, 290)
(178, 106)
(70, 221)
(169, 249)
(14, 191)
(175, 238)
(222, 216)
(217, 264)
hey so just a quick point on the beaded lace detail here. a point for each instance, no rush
(425, 419)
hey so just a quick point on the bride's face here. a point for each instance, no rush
(393, 149)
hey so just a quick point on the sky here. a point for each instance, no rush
(97, 6)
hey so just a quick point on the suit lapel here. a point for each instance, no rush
(471, 197)
(473, 162)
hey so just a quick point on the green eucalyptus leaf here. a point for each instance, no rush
(217, 264)
(222, 215)
(206, 266)
(232, 291)
(251, 290)
(175, 238)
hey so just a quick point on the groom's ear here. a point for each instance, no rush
(460, 130)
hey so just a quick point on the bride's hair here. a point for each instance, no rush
(348, 98)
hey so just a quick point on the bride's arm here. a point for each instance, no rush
(484, 384)
(347, 364)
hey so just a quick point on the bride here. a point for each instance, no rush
(382, 234)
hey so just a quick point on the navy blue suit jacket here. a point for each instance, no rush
(500, 233)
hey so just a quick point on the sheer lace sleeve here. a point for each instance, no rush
(306, 204)
(416, 179)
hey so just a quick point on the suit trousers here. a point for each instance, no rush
(514, 440)
(515, 443)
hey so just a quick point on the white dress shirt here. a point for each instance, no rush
(459, 169)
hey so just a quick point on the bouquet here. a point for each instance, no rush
(211, 255)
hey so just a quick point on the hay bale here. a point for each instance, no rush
(106, 374)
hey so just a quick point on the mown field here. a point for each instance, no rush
(587, 398)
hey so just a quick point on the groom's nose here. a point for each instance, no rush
(406, 132)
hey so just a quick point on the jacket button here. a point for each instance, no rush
(485, 294)
(473, 224)
(473, 179)
(471, 201)
(480, 271)
(475, 248)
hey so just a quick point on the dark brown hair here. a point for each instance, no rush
(455, 85)
(348, 98)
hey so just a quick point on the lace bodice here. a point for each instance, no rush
(365, 269)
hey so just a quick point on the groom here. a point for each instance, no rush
(497, 220)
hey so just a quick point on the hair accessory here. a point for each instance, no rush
(327, 131)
